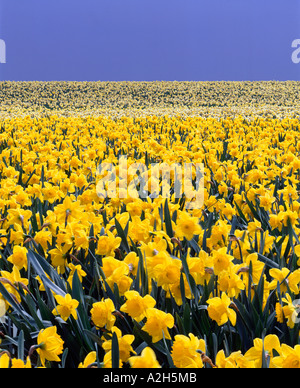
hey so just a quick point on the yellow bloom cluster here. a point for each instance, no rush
(158, 282)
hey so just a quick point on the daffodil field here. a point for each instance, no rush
(88, 281)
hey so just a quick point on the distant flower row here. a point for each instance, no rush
(270, 99)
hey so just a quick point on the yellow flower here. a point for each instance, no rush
(68, 211)
(125, 342)
(136, 306)
(266, 201)
(279, 313)
(17, 234)
(20, 364)
(290, 215)
(22, 198)
(139, 230)
(158, 258)
(228, 211)
(157, 324)
(59, 257)
(219, 235)
(230, 282)
(153, 248)
(81, 181)
(285, 277)
(107, 245)
(175, 290)
(234, 360)
(219, 310)
(41, 284)
(269, 343)
(50, 345)
(221, 260)
(66, 307)
(167, 273)
(185, 351)
(187, 226)
(134, 208)
(80, 273)
(257, 269)
(146, 360)
(19, 217)
(19, 257)
(132, 260)
(107, 360)
(89, 359)
(13, 280)
(110, 264)
(43, 237)
(102, 314)
(224, 362)
(121, 279)
(276, 221)
(51, 193)
(289, 311)
(200, 267)
(289, 358)
(4, 361)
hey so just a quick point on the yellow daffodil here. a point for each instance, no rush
(50, 345)
(66, 307)
(136, 306)
(19, 257)
(102, 313)
(187, 226)
(220, 311)
(185, 351)
(4, 361)
(146, 360)
(157, 324)
(269, 343)
(89, 360)
(124, 342)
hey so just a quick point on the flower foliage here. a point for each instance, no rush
(145, 281)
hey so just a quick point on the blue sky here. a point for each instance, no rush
(149, 40)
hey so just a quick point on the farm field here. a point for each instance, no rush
(145, 281)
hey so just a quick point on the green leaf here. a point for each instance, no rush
(7, 296)
(168, 354)
(142, 283)
(182, 289)
(270, 263)
(64, 358)
(259, 293)
(241, 214)
(180, 325)
(115, 355)
(42, 267)
(123, 234)
(32, 309)
(78, 294)
(190, 279)
(187, 322)
(21, 345)
(264, 359)
(168, 222)
(93, 337)
(195, 246)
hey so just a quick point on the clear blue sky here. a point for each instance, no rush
(148, 40)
